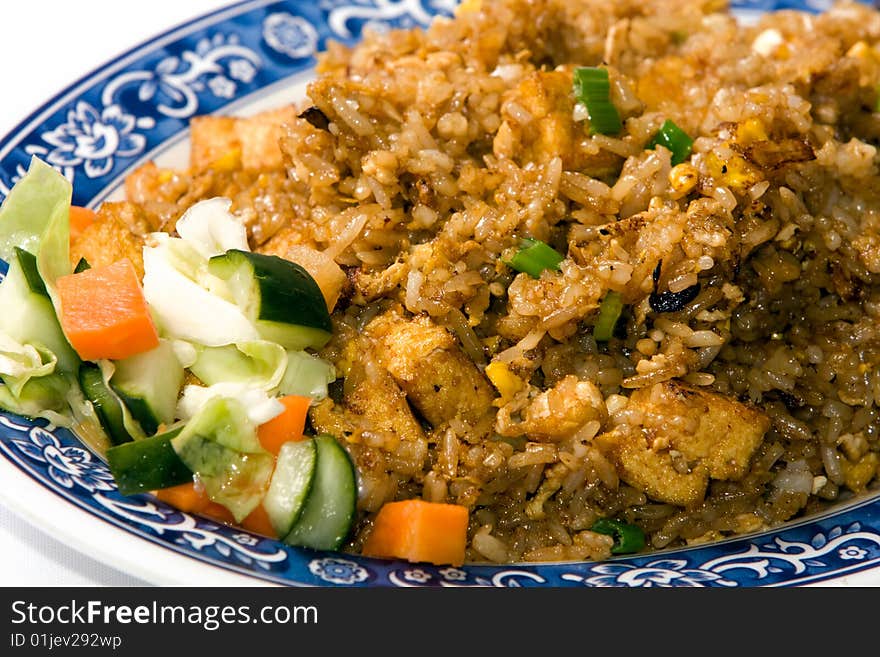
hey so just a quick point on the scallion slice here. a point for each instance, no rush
(673, 138)
(609, 313)
(627, 538)
(593, 90)
(534, 256)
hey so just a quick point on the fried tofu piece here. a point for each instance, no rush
(130, 214)
(108, 240)
(372, 403)
(687, 436)
(239, 142)
(211, 139)
(426, 362)
(375, 283)
(550, 131)
(640, 466)
(704, 426)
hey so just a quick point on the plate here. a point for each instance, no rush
(241, 59)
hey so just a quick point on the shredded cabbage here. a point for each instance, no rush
(210, 228)
(186, 310)
(258, 363)
(21, 362)
(260, 406)
(219, 444)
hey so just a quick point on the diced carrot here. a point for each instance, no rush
(192, 499)
(289, 425)
(416, 530)
(219, 513)
(185, 497)
(80, 219)
(104, 313)
(258, 522)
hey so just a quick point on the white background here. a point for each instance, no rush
(44, 46)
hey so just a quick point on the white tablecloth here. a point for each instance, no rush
(45, 45)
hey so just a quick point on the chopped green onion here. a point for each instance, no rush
(673, 138)
(534, 256)
(627, 538)
(593, 90)
(609, 313)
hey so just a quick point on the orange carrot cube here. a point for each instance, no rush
(104, 313)
(416, 530)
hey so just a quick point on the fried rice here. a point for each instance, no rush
(740, 387)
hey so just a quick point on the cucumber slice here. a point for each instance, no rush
(290, 484)
(328, 515)
(148, 464)
(107, 405)
(149, 384)
(279, 296)
(29, 317)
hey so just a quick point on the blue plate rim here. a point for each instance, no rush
(823, 548)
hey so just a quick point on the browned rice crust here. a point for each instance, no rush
(754, 403)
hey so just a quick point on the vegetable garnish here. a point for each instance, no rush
(101, 352)
(674, 139)
(185, 497)
(534, 256)
(291, 484)
(627, 538)
(193, 499)
(609, 313)
(148, 464)
(30, 208)
(328, 512)
(419, 531)
(108, 407)
(258, 521)
(220, 445)
(287, 426)
(104, 313)
(148, 384)
(28, 265)
(278, 296)
(593, 90)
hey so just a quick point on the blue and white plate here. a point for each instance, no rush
(247, 57)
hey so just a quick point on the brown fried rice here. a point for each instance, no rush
(427, 155)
